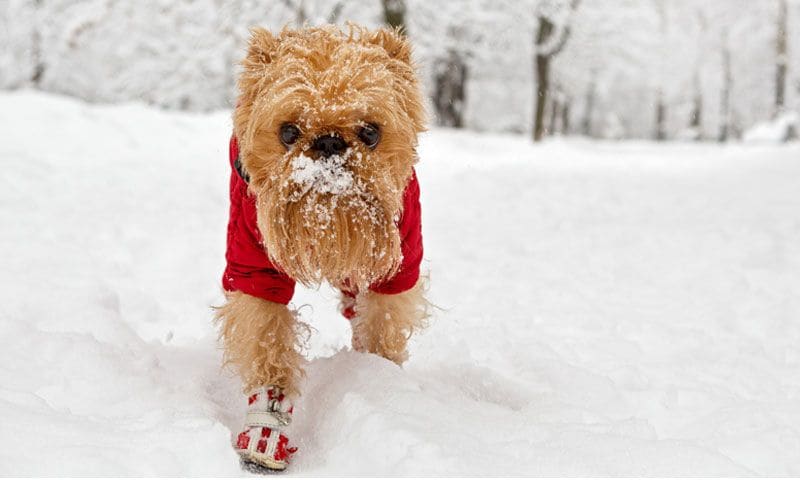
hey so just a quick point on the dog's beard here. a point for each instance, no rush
(320, 222)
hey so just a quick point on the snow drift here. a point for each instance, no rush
(606, 309)
(783, 129)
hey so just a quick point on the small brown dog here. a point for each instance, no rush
(322, 189)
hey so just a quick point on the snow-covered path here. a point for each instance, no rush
(606, 309)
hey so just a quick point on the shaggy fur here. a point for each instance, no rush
(325, 81)
(384, 323)
(263, 341)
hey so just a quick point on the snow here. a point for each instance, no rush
(619, 56)
(605, 309)
(327, 175)
(782, 129)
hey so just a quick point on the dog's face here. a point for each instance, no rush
(327, 123)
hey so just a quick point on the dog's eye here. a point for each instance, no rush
(289, 134)
(369, 134)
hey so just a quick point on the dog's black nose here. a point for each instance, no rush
(328, 145)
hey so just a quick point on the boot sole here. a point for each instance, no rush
(254, 463)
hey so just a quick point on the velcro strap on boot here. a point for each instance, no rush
(267, 419)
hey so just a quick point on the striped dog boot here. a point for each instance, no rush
(261, 444)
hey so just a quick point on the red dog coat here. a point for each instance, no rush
(249, 269)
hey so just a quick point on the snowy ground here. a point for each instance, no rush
(607, 309)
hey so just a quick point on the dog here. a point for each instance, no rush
(323, 188)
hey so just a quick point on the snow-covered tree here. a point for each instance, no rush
(605, 68)
(552, 32)
(781, 55)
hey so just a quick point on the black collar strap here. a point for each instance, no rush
(237, 164)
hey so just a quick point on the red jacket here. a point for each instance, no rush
(249, 269)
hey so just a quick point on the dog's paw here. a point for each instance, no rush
(261, 445)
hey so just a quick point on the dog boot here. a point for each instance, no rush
(261, 444)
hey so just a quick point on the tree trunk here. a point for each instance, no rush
(542, 86)
(661, 117)
(449, 96)
(586, 123)
(660, 132)
(696, 117)
(555, 113)
(394, 13)
(544, 38)
(782, 59)
(565, 124)
(727, 84)
(299, 7)
(542, 78)
(336, 11)
(36, 46)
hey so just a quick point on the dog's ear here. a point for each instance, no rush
(261, 51)
(262, 46)
(394, 42)
(398, 47)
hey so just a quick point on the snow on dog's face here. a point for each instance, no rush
(327, 124)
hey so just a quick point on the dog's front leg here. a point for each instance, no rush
(262, 340)
(384, 323)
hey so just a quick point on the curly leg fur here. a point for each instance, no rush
(384, 323)
(262, 341)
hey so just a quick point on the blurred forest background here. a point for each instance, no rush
(714, 70)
